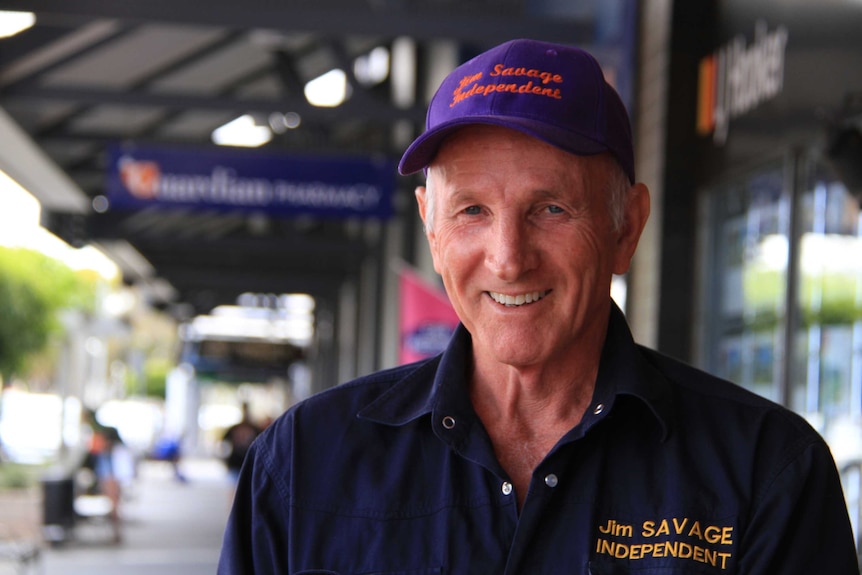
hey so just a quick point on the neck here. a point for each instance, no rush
(558, 388)
(526, 409)
(526, 414)
(540, 397)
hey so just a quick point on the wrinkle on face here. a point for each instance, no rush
(512, 215)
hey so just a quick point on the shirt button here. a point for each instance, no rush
(551, 480)
(448, 422)
(507, 488)
(599, 408)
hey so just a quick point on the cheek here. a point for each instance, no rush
(583, 248)
(437, 245)
(588, 260)
(455, 255)
(432, 247)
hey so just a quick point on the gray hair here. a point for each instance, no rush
(617, 187)
(429, 201)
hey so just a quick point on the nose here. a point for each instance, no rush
(508, 250)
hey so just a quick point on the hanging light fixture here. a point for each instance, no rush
(12, 23)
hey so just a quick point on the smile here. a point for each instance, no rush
(517, 300)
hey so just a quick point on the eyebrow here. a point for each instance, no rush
(469, 193)
(459, 196)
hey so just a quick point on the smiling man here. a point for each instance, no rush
(543, 440)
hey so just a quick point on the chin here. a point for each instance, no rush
(517, 356)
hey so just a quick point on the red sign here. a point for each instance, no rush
(427, 318)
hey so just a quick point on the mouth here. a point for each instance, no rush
(519, 299)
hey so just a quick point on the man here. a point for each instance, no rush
(237, 440)
(543, 440)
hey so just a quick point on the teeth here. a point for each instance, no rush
(516, 300)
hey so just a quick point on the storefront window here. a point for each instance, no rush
(748, 314)
(827, 384)
(747, 282)
(745, 302)
(830, 300)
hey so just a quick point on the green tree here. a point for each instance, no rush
(33, 289)
(156, 376)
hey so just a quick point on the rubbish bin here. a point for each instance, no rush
(58, 507)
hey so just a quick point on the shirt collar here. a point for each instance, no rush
(434, 381)
(624, 370)
(439, 383)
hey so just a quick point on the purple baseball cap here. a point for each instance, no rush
(553, 92)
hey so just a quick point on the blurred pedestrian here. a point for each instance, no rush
(238, 439)
(108, 458)
(169, 448)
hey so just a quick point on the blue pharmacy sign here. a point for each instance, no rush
(280, 184)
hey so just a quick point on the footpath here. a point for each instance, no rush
(170, 527)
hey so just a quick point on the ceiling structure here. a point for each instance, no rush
(167, 73)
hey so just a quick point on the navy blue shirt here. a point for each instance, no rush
(670, 471)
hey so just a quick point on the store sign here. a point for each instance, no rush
(141, 177)
(736, 79)
(427, 318)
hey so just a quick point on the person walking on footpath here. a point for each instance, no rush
(238, 439)
(108, 459)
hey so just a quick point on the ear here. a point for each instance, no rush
(636, 214)
(422, 202)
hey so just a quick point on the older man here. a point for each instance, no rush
(543, 440)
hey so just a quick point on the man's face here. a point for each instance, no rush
(524, 242)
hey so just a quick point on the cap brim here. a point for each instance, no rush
(421, 152)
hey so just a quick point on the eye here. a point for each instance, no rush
(472, 210)
(555, 209)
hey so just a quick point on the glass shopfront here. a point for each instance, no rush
(762, 198)
(782, 298)
(829, 337)
(748, 284)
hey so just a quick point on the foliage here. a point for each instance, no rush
(153, 381)
(33, 289)
(824, 298)
(18, 475)
(156, 376)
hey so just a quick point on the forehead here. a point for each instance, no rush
(481, 138)
(495, 152)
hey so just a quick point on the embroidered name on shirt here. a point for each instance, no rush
(676, 537)
(509, 79)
